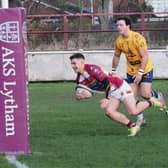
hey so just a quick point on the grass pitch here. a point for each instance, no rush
(66, 133)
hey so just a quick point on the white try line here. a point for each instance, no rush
(12, 160)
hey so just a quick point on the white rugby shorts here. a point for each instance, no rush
(122, 92)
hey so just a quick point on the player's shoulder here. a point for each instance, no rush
(91, 67)
(137, 35)
(119, 38)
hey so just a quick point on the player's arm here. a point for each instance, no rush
(116, 58)
(82, 94)
(101, 76)
(115, 62)
(144, 54)
(143, 51)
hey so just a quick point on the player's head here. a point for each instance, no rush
(77, 62)
(123, 25)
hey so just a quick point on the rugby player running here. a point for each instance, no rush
(138, 62)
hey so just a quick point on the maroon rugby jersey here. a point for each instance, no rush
(92, 77)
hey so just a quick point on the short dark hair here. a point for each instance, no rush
(126, 20)
(77, 55)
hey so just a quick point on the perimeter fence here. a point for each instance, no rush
(92, 31)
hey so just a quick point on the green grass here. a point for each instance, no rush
(66, 133)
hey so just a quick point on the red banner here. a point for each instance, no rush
(14, 113)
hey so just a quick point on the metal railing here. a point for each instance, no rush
(144, 22)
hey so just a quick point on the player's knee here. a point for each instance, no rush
(133, 112)
(104, 103)
(146, 95)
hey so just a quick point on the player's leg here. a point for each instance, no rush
(146, 94)
(134, 128)
(140, 117)
(111, 109)
(125, 94)
(146, 88)
(134, 108)
(110, 106)
(159, 96)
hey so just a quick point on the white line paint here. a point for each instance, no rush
(12, 160)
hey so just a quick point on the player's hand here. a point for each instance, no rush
(137, 78)
(82, 95)
(113, 72)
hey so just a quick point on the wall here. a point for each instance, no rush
(55, 65)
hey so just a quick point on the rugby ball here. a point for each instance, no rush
(84, 90)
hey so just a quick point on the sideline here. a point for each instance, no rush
(12, 160)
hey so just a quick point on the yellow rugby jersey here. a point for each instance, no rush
(130, 47)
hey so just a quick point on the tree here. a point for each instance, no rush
(138, 6)
(105, 6)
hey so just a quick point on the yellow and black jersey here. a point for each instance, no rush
(130, 47)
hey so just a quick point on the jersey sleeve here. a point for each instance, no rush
(117, 49)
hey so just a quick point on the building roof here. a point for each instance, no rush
(159, 6)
